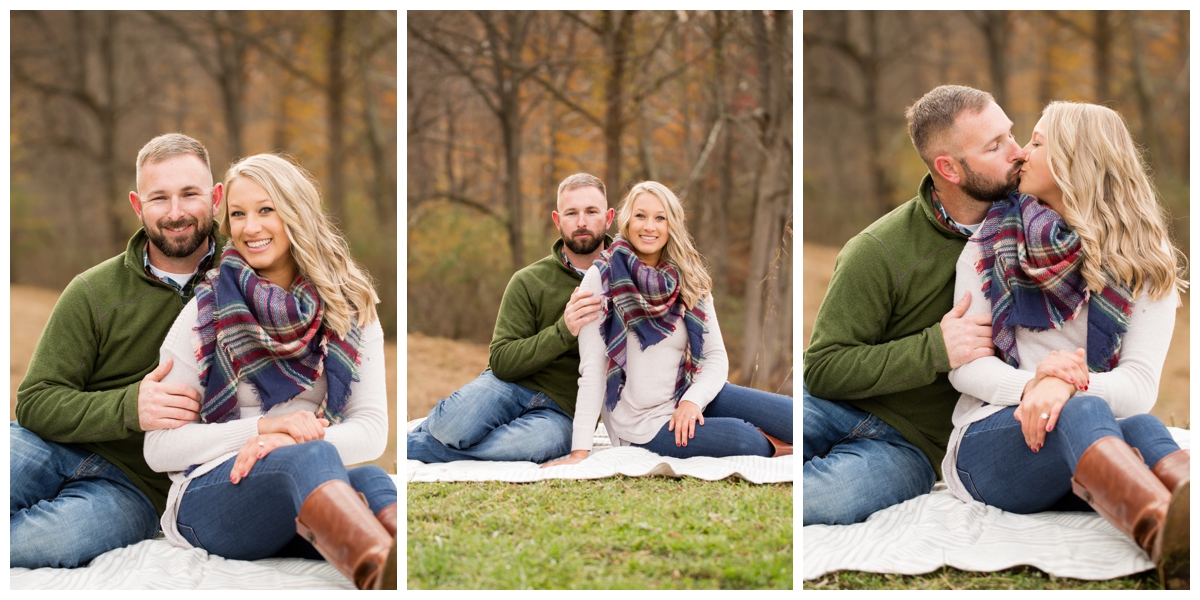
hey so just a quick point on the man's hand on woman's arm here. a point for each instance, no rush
(967, 337)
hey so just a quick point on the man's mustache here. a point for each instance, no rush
(183, 222)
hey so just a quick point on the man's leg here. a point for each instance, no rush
(490, 419)
(67, 506)
(855, 464)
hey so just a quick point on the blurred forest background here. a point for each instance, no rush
(861, 69)
(503, 105)
(90, 88)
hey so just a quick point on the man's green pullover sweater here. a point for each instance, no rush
(101, 340)
(531, 345)
(877, 340)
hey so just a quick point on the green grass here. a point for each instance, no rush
(946, 578)
(618, 533)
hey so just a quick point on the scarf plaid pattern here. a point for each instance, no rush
(643, 299)
(251, 329)
(1030, 262)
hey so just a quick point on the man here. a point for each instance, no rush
(889, 332)
(521, 408)
(79, 484)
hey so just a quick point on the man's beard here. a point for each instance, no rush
(175, 247)
(585, 246)
(984, 190)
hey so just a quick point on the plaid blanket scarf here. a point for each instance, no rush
(645, 300)
(251, 329)
(1030, 263)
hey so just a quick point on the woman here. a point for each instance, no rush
(284, 344)
(654, 365)
(1080, 278)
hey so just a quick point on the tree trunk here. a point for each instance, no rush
(616, 43)
(335, 90)
(1102, 40)
(995, 33)
(762, 350)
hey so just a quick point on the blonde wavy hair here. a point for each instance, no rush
(679, 251)
(321, 253)
(1109, 201)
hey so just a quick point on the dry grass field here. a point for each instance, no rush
(1173, 391)
(30, 308)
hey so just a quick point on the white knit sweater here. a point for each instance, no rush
(648, 398)
(360, 437)
(989, 384)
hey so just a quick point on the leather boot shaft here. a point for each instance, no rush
(338, 523)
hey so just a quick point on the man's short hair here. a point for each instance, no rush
(170, 145)
(580, 180)
(931, 118)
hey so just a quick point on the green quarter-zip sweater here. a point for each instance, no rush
(877, 340)
(531, 345)
(101, 340)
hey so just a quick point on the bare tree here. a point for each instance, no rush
(768, 321)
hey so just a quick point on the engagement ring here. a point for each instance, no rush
(260, 444)
(1045, 415)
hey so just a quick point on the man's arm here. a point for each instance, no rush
(518, 348)
(847, 358)
(51, 400)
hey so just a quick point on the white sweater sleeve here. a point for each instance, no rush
(714, 373)
(169, 450)
(1131, 388)
(989, 378)
(362, 435)
(593, 367)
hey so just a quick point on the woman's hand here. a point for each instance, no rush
(256, 448)
(683, 421)
(1070, 367)
(575, 457)
(1045, 398)
(303, 426)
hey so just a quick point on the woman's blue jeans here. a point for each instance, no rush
(731, 424)
(257, 517)
(998, 469)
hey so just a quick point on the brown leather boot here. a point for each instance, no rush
(387, 516)
(1113, 479)
(338, 523)
(782, 448)
(1174, 471)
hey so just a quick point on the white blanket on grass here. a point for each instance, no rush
(156, 564)
(936, 530)
(606, 461)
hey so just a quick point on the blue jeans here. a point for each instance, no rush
(855, 464)
(490, 419)
(998, 469)
(731, 424)
(257, 517)
(67, 506)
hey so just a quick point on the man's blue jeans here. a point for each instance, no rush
(998, 469)
(256, 518)
(490, 419)
(67, 506)
(855, 464)
(731, 424)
